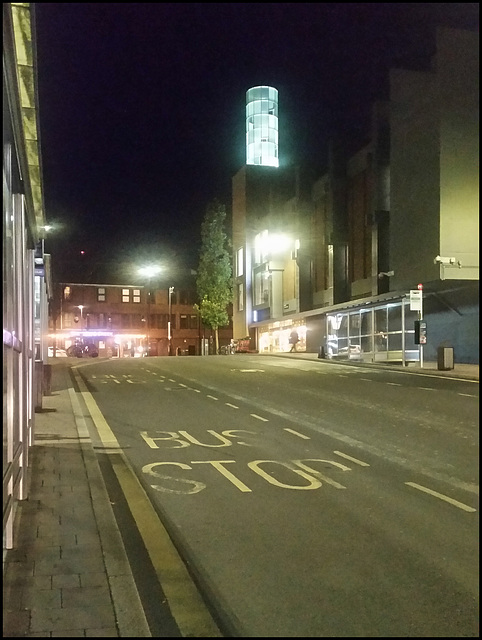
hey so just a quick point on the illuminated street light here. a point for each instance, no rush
(149, 272)
(169, 333)
(81, 307)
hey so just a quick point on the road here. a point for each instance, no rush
(306, 498)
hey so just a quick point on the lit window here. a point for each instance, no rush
(67, 293)
(126, 295)
(240, 262)
(136, 295)
(240, 296)
(100, 294)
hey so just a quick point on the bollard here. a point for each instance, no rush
(47, 380)
(321, 352)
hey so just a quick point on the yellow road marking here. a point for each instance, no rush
(185, 602)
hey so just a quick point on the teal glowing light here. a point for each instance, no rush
(262, 126)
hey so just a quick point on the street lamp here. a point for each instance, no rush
(169, 333)
(149, 272)
(81, 307)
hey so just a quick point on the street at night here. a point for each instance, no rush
(307, 498)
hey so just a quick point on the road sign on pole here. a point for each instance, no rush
(416, 299)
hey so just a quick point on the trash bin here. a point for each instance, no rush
(445, 358)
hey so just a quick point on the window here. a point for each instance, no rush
(239, 262)
(183, 321)
(260, 247)
(136, 295)
(126, 295)
(261, 287)
(67, 293)
(158, 320)
(126, 320)
(101, 294)
(240, 296)
(193, 322)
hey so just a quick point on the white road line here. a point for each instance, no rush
(259, 417)
(427, 388)
(182, 385)
(116, 381)
(296, 433)
(129, 381)
(171, 380)
(456, 503)
(196, 390)
(394, 384)
(467, 395)
(212, 397)
(344, 455)
(161, 381)
(342, 375)
(366, 379)
(231, 405)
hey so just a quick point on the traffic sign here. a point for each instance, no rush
(416, 299)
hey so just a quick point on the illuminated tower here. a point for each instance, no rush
(262, 126)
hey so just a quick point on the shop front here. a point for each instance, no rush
(378, 329)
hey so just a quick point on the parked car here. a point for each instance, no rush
(91, 350)
(80, 349)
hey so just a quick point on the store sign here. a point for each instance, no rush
(416, 299)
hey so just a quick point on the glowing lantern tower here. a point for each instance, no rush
(262, 126)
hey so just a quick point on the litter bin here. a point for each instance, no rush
(445, 358)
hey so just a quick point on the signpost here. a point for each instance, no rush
(416, 304)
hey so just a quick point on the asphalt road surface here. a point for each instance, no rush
(306, 499)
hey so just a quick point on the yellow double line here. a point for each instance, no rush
(186, 604)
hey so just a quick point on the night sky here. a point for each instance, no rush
(142, 108)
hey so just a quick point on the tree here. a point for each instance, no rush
(214, 275)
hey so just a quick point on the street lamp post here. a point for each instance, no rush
(169, 331)
(149, 272)
(81, 307)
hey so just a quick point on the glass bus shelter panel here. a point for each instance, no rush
(337, 336)
(366, 333)
(354, 323)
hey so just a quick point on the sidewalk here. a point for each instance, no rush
(68, 575)
(460, 370)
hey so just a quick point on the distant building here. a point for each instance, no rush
(129, 320)
(340, 260)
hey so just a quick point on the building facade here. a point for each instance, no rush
(343, 263)
(26, 268)
(124, 321)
